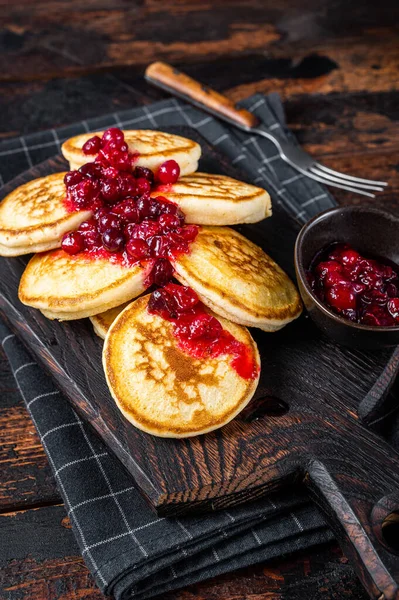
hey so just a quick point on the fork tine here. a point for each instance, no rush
(349, 177)
(338, 185)
(335, 179)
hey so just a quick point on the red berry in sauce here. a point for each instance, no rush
(113, 240)
(110, 190)
(143, 186)
(92, 146)
(72, 178)
(137, 249)
(162, 272)
(341, 297)
(72, 242)
(113, 134)
(168, 172)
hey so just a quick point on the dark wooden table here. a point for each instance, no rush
(336, 64)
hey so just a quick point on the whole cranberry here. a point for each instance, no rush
(110, 189)
(189, 232)
(72, 242)
(349, 256)
(113, 134)
(127, 210)
(328, 266)
(168, 172)
(144, 207)
(108, 221)
(92, 239)
(113, 240)
(137, 249)
(162, 272)
(120, 160)
(72, 178)
(163, 303)
(169, 222)
(143, 186)
(85, 193)
(154, 209)
(159, 246)
(145, 229)
(92, 170)
(341, 297)
(143, 172)
(110, 172)
(127, 185)
(92, 146)
(89, 225)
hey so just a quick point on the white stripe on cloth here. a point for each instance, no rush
(76, 522)
(80, 460)
(28, 364)
(118, 504)
(45, 395)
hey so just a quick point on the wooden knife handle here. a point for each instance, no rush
(358, 509)
(184, 86)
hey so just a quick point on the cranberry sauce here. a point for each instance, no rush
(361, 289)
(198, 333)
(127, 223)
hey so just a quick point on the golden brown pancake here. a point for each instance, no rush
(153, 147)
(103, 321)
(164, 391)
(72, 287)
(237, 280)
(33, 217)
(217, 200)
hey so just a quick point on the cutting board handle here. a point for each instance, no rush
(179, 84)
(358, 515)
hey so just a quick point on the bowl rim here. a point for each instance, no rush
(301, 272)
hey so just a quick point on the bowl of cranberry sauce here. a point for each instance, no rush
(347, 266)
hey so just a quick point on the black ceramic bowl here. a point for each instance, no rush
(371, 232)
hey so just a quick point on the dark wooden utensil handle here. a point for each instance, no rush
(173, 80)
(357, 510)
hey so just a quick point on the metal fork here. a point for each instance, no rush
(169, 79)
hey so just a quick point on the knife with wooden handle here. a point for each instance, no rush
(171, 80)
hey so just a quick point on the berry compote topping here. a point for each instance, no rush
(198, 333)
(363, 290)
(128, 224)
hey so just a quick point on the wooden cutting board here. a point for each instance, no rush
(305, 425)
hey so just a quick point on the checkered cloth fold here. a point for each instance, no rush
(131, 552)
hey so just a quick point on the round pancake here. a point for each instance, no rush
(237, 280)
(164, 391)
(153, 147)
(33, 217)
(217, 200)
(72, 287)
(103, 321)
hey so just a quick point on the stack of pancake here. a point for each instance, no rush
(157, 386)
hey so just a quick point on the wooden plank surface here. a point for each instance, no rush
(66, 60)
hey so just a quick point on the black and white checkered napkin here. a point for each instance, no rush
(128, 549)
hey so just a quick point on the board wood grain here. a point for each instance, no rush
(314, 437)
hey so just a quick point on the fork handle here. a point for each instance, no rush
(168, 78)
